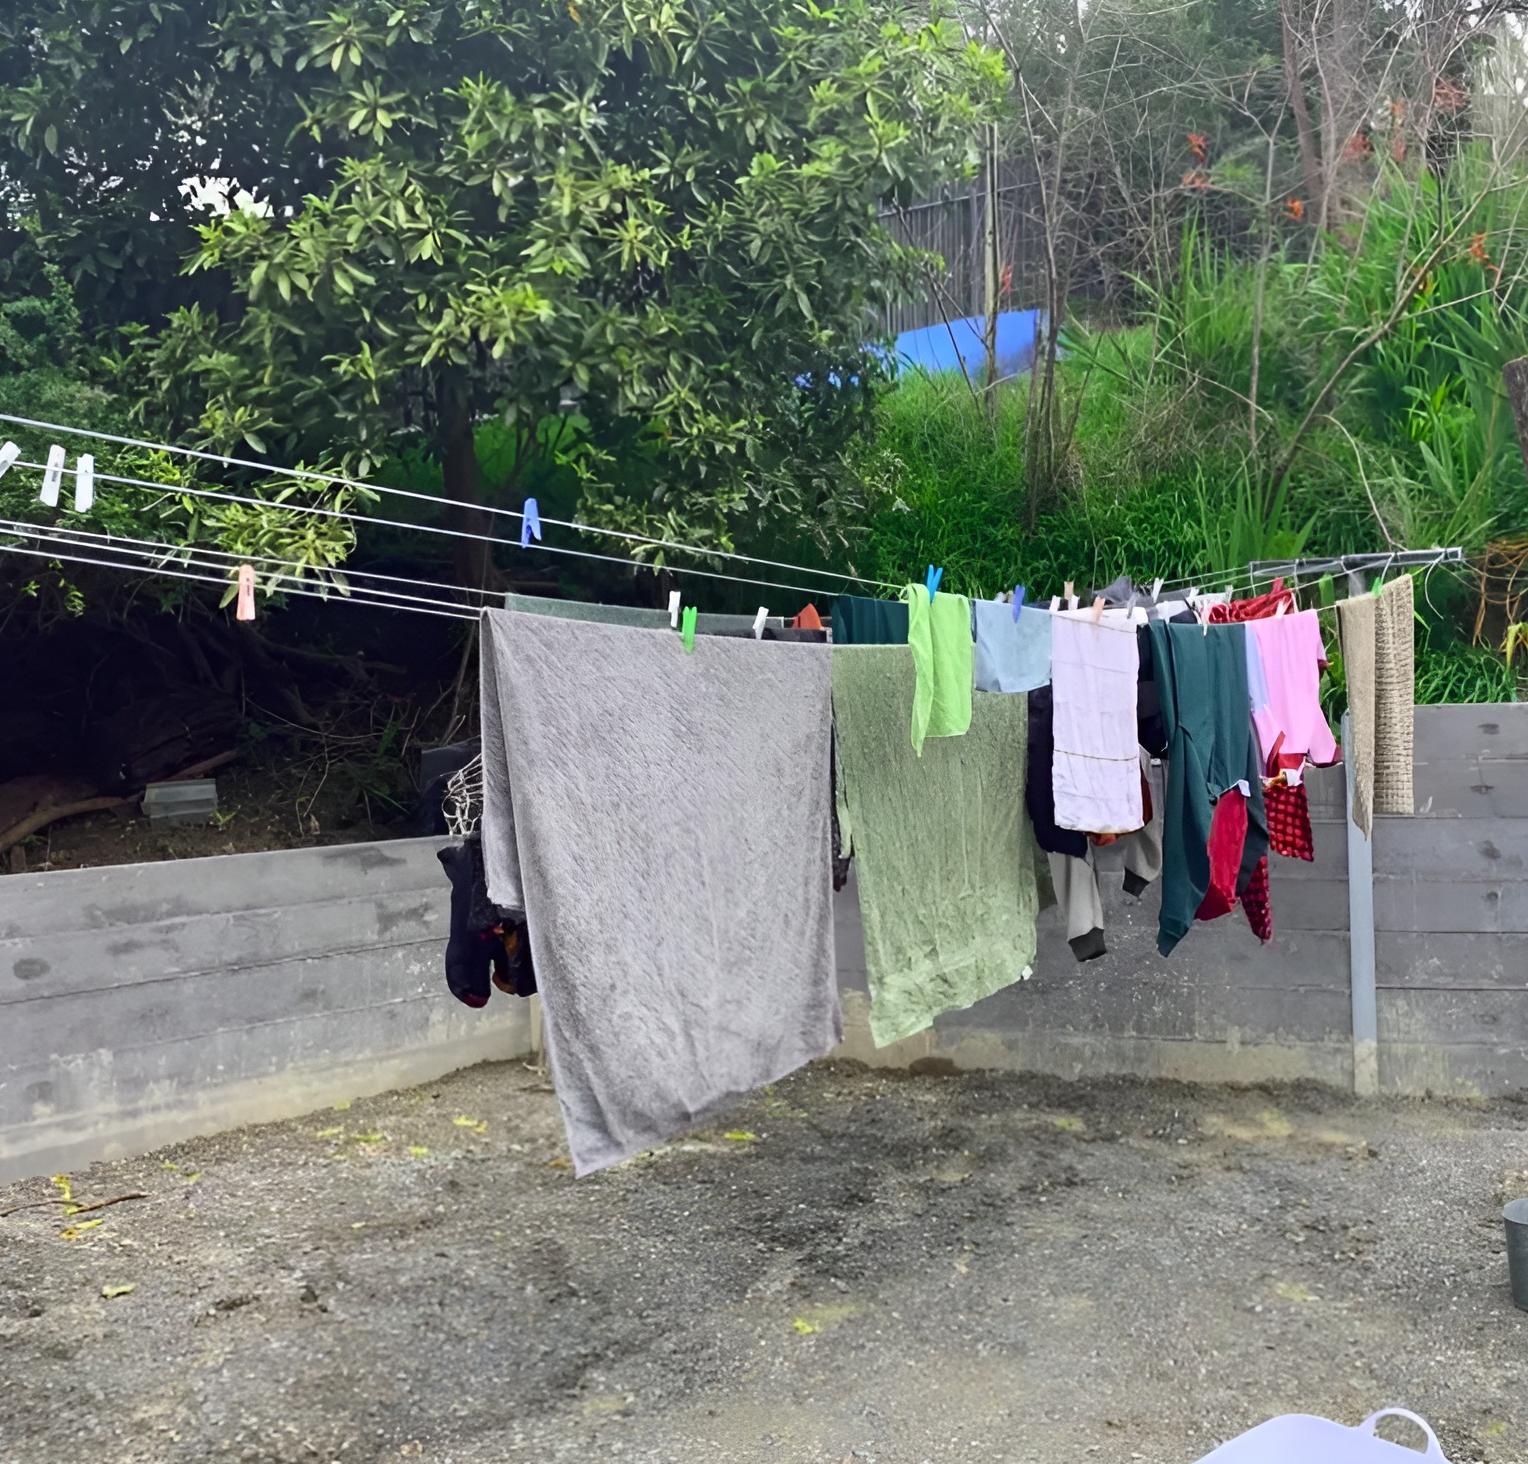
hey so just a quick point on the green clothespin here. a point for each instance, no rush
(1326, 592)
(687, 629)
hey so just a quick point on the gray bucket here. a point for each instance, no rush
(1516, 1216)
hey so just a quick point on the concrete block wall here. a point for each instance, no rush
(1451, 953)
(145, 1003)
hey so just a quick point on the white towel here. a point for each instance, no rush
(1096, 774)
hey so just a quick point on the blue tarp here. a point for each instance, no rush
(947, 347)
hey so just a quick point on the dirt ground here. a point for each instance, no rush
(861, 1268)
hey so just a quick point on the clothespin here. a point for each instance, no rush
(1018, 600)
(1098, 609)
(530, 523)
(688, 632)
(245, 609)
(9, 452)
(1055, 603)
(1326, 590)
(1280, 608)
(1069, 594)
(1193, 594)
(52, 476)
(84, 483)
(1203, 612)
(1156, 589)
(932, 581)
(758, 622)
(674, 608)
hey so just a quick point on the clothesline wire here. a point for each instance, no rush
(172, 551)
(333, 479)
(459, 613)
(169, 490)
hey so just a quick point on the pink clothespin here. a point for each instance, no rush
(246, 604)
(1098, 609)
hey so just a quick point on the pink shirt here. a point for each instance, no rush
(1293, 655)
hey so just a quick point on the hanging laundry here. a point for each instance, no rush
(1202, 680)
(1076, 880)
(670, 827)
(1096, 772)
(945, 864)
(1379, 662)
(807, 619)
(1011, 655)
(1292, 656)
(1255, 607)
(476, 949)
(1039, 782)
(939, 633)
(632, 615)
(1257, 902)
(859, 621)
(773, 633)
(1289, 826)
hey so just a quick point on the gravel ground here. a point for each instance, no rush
(864, 1268)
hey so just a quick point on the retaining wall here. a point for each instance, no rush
(1447, 954)
(145, 1003)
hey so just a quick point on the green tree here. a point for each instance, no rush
(655, 220)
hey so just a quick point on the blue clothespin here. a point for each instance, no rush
(934, 576)
(530, 523)
(1018, 600)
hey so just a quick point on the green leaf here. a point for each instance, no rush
(111, 1293)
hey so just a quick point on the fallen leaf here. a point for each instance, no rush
(358, 1225)
(112, 1292)
(417, 1151)
(804, 1327)
(75, 1231)
(329, 1133)
(192, 1177)
(341, 1107)
(479, 1125)
(561, 1162)
(167, 1164)
(741, 1136)
(370, 1138)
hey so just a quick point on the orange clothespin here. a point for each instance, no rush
(245, 609)
(1098, 609)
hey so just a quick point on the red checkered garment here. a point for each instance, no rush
(1258, 904)
(1289, 831)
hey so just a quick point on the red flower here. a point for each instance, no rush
(1199, 147)
(1294, 208)
(1357, 148)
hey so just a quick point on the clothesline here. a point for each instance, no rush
(336, 480)
(221, 581)
(170, 490)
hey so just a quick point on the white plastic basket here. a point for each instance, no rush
(1298, 1436)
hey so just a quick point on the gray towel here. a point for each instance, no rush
(706, 623)
(668, 819)
(941, 842)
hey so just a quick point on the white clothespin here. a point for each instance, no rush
(1071, 595)
(52, 476)
(1055, 603)
(1282, 606)
(9, 452)
(84, 483)
(674, 608)
(1156, 589)
(1193, 594)
(758, 622)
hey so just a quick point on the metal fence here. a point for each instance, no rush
(952, 227)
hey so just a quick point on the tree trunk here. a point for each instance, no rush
(1310, 164)
(464, 486)
(1515, 377)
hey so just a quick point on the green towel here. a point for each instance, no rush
(939, 633)
(942, 847)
